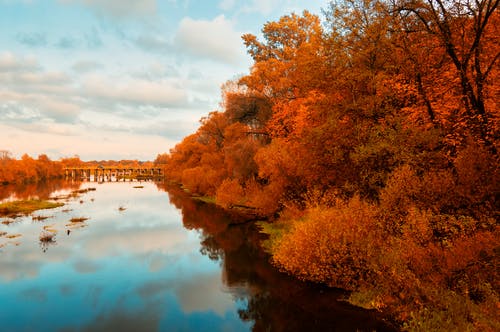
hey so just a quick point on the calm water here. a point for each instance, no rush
(163, 262)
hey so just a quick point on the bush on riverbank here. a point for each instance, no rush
(415, 272)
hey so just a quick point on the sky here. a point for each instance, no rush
(120, 79)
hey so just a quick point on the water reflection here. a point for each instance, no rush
(41, 190)
(136, 269)
(152, 266)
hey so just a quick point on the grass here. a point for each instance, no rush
(3, 234)
(49, 228)
(26, 207)
(83, 191)
(47, 237)
(122, 208)
(40, 218)
(13, 236)
(79, 219)
(138, 187)
(274, 231)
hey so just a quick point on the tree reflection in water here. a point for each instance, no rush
(40, 190)
(275, 301)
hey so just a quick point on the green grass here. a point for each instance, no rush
(274, 230)
(26, 207)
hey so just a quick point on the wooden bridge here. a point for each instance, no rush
(112, 173)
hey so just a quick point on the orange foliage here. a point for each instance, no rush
(27, 169)
(371, 140)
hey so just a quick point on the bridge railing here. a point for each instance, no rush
(110, 173)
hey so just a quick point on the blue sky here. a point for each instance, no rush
(120, 79)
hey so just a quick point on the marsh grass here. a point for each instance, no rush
(47, 237)
(13, 236)
(82, 191)
(25, 207)
(40, 218)
(49, 228)
(78, 219)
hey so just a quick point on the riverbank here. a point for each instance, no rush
(424, 271)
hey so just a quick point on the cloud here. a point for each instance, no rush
(67, 43)
(32, 107)
(59, 140)
(155, 71)
(85, 66)
(10, 63)
(119, 8)
(93, 39)
(14, 111)
(216, 39)
(34, 39)
(146, 92)
(156, 43)
(28, 93)
(281, 7)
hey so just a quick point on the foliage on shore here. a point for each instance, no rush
(370, 141)
(27, 169)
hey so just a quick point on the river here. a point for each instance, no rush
(150, 258)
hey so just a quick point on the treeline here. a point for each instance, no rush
(29, 170)
(369, 139)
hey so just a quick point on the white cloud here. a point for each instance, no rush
(29, 90)
(156, 43)
(10, 63)
(58, 140)
(216, 39)
(85, 66)
(157, 70)
(281, 7)
(119, 8)
(135, 91)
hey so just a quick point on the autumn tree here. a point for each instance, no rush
(369, 141)
(467, 32)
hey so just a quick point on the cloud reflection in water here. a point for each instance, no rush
(137, 269)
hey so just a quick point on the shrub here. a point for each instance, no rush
(331, 245)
